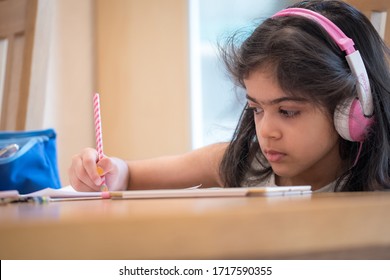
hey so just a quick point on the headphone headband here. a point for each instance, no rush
(346, 44)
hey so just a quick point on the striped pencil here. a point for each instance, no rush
(98, 134)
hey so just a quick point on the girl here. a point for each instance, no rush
(317, 113)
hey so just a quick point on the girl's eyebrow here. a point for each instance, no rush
(277, 100)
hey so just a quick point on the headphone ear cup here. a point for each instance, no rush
(350, 122)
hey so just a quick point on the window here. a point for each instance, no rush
(215, 104)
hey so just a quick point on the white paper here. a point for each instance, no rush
(65, 192)
(68, 193)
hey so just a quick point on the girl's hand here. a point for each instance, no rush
(85, 172)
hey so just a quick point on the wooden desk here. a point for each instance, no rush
(320, 226)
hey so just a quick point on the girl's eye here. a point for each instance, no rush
(255, 110)
(288, 113)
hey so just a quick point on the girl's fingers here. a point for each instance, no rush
(80, 172)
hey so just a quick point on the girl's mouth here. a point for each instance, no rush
(273, 156)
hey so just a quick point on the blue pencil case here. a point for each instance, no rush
(28, 161)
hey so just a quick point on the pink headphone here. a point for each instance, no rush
(353, 117)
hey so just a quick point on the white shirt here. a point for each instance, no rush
(271, 182)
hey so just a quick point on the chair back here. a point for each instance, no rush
(377, 11)
(17, 27)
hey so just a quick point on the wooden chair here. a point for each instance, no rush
(378, 12)
(17, 26)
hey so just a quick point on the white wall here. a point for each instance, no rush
(63, 76)
(142, 76)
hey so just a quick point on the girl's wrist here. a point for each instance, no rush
(122, 175)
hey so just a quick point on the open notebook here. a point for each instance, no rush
(68, 193)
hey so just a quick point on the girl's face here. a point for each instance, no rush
(297, 138)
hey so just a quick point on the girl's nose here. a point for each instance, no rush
(268, 127)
